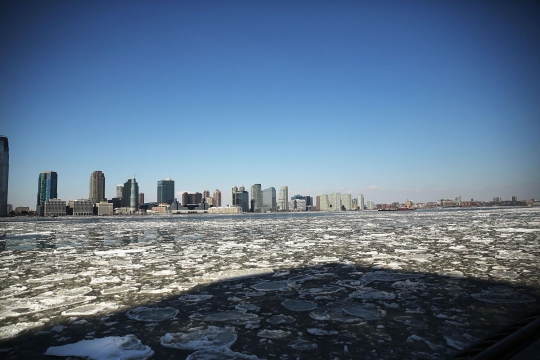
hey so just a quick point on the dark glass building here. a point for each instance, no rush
(47, 189)
(165, 191)
(4, 173)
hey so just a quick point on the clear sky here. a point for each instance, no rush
(398, 100)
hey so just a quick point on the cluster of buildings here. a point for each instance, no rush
(129, 200)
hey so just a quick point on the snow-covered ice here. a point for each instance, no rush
(374, 285)
(127, 347)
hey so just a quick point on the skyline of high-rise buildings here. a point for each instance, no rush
(4, 175)
(97, 187)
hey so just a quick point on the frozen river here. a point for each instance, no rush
(371, 285)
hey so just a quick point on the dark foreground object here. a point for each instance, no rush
(520, 340)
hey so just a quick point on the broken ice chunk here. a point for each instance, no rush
(321, 332)
(247, 307)
(195, 298)
(299, 305)
(271, 286)
(113, 347)
(371, 293)
(503, 297)
(89, 309)
(386, 276)
(302, 345)
(201, 339)
(330, 289)
(222, 353)
(281, 319)
(151, 314)
(12, 330)
(233, 317)
(273, 334)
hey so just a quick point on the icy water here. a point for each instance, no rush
(367, 285)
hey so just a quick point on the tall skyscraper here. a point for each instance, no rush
(119, 189)
(4, 174)
(130, 194)
(361, 203)
(335, 201)
(283, 203)
(165, 191)
(256, 198)
(141, 198)
(217, 198)
(269, 202)
(346, 201)
(325, 203)
(47, 189)
(206, 193)
(97, 187)
(134, 198)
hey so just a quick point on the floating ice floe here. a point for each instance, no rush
(345, 311)
(233, 317)
(247, 307)
(15, 329)
(151, 314)
(386, 276)
(52, 278)
(14, 307)
(408, 285)
(303, 345)
(105, 280)
(273, 334)
(232, 275)
(271, 286)
(503, 297)
(299, 305)
(90, 309)
(330, 289)
(12, 290)
(108, 348)
(371, 293)
(281, 319)
(195, 298)
(321, 332)
(118, 290)
(221, 353)
(212, 337)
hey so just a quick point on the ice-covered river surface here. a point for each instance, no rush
(368, 285)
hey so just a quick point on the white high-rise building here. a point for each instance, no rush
(283, 199)
(346, 201)
(370, 205)
(361, 204)
(324, 202)
(335, 201)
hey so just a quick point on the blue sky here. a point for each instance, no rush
(416, 100)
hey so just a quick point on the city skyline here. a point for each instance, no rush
(426, 100)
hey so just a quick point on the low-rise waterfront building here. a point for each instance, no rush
(54, 207)
(225, 210)
(105, 208)
(83, 207)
